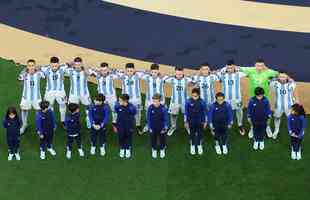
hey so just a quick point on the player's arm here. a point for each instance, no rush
(22, 75)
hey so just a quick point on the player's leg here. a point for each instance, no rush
(147, 104)
(251, 132)
(173, 111)
(239, 116)
(111, 101)
(86, 101)
(61, 100)
(277, 121)
(25, 106)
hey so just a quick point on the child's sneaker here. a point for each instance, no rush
(102, 151)
(192, 150)
(122, 153)
(218, 149)
(68, 154)
(162, 153)
(298, 155)
(262, 145)
(17, 156)
(42, 155)
(250, 134)
(293, 155)
(255, 145)
(92, 150)
(51, 151)
(269, 132)
(128, 153)
(81, 152)
(200, 149)
(154, 153)
(10, 157)
(225, 149)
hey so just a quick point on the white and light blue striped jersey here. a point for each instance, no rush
(231, 85)
(105, 84)
(31, 87)
(179, 89)
(154, 85)
(78, 82)
(131, 85)
(284, 94)
(54, 79)
(206, 85)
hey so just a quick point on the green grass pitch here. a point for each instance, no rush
(241, 175)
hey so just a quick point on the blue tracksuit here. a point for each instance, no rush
(45, 125)
(99, 115)
(296, 127)
(195, 116)
(157, 122)
(12, 127)
(125, 124)
(220, 116)
(73, 128)
(259, 112)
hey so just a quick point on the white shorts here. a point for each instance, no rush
(175, 108)
(111, 101)
(235, 105)
(28, 105)
(60, 97)
(279, 112)
(85, 100)
(137, 103)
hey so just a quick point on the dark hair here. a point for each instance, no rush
(260, 60)
(72, 107)
(124, 97)
(54, 59)
(44, 104)
(104, 64)
(259, 91)
(78, 59)
(299, 109)
(204, 64)
(179, 69)
(196, 91)
(130, 65)
(230, 62)
(11, 110)
(156, 96)
(154, 66)
(31, 61)
(100, 97)
(219, 94)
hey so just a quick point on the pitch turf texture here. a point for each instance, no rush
(241, 175)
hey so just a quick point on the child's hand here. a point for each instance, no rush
(41, 136)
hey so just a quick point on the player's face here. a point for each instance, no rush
(195, 96)
(230, 69)
(130, 71)
(220, 100)
(104, 71)
(283, 78)
(260, 66)
(179, 74)
(31, 67)
(259, 97)
(55, 66)
(154, 72)
(156, 102)
(78, 66)
(205, 70)
(12, 115)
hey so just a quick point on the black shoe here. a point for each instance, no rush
(140, 131)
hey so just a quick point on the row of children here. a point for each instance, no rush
(219, 117)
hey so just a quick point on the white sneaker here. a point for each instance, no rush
(10, 157)
(192, 150)
(162, 153)
(145, 129)
(68, 154)
(218, 149)
(293, 155)
(262, 145)
(154, 154)
(92, 150)
(171, 131)
(128, 153)
(17, 156)
(52, 151)
(102, 151)
(200, 149)
(122, 153)
(81, 152)
(225, 149)
(250, 134)
(42, 155)
(255, 145)
(298, 155)
(269, 132)
(275, 134)
(23, 128)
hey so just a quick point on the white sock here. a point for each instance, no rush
(138, 118)
(173, 121)
(24, 116)
(239, 114)
(277, 122)
(62, 110)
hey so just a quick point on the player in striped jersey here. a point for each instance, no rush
(154, 85)
(105, 85)
(285, 96)
(179, 84)
(131, 86)
(231, 87)
(55, 90)
(79, 92)
(31, 91)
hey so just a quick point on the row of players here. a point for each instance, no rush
(219, 117)
(229, 76)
